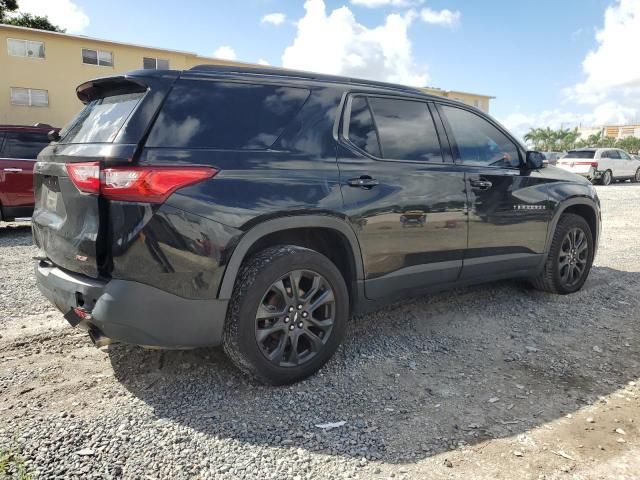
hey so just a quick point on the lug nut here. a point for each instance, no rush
(291, 309)
(305, 314)
(300, 324)
(286, 319)
(291, 327)
(299, 307)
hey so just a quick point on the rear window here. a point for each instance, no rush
(581, 154)
(220, 115)
(25, 145)
(101, 119)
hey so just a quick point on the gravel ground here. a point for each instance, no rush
(496, 381)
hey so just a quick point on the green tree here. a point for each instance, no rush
(24, 19)
(33, 21)
(629, 144)
(7, 6)
(535, 136)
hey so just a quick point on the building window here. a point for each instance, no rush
(149, 63)
(29, 97)
(97, 57)
(25, 48)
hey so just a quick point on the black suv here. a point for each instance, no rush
(258, 208)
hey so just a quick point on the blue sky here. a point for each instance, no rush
(529, 55)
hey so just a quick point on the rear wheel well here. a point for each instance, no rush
(327, 241)
(588, 214)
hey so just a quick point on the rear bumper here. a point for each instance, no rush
(23, 211)
(591, 174)
(133, 312)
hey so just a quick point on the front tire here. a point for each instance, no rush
(287, 315)
(636, 177)
(570, 257)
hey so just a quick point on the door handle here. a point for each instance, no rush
(481, 184)
(364, 181)
(12, 170)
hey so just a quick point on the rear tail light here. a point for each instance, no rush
(594, 164)
(85, 176)
(136, 184)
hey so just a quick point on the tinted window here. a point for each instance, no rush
(614, 154)
(406, 130)
(478, 142)
(362, 132)
(623, 155)
(101, 119)
(204, 114)
(582, 154)
(24, 145)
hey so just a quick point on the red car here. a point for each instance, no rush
(19, 147)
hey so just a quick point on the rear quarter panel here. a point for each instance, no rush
(196, 230)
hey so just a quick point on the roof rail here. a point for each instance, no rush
(286, 73)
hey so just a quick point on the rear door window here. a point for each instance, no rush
(101, 119)
(362, 131)
(25, 145)
(406, 130)
(225, 115)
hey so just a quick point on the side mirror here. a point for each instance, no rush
(53, 135)
(535, 160)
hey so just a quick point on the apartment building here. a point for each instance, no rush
(40, 70)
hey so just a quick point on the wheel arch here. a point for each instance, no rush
(582, 206)
(311, 231)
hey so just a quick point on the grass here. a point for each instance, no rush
(12, 466)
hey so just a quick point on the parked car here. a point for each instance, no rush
(258, 209)
(553, 157)
(604, 165)
(19, 147)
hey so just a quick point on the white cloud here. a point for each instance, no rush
(385, 3)
(262, 61)
(63, 13)
(347, 47)
(610, 91)
(274, 18)
(607, 113)
(610, 69)
(440, 17)
(225, 52)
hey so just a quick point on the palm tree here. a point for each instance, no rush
(535, 137)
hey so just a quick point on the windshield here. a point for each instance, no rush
(581, 154)
(101, 119)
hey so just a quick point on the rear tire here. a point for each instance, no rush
(636, 177)
(287, 315)
(570, 257)
(607, 178)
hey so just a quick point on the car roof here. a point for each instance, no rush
(272, 72)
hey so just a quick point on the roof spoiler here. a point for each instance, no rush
(100, 87)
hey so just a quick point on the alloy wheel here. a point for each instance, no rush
(295, 318)
(573, 258)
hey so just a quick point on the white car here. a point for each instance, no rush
(601, 164)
